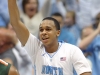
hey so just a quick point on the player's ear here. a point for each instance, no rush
(58, 33)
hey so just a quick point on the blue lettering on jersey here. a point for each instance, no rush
(55, 70)
(52, 70)
(43, 69)
(60, 71)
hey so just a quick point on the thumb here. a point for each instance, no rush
(3, 62)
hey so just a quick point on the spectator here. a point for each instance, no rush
(90, 44)
(65, 35)
(70, 24)
(31, 16)
(10, 49)
(59, 18)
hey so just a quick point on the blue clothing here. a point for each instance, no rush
(53, 7)
(4, 15)
(94, 48)
(74, 29)
(66, 36)
(2, 22)
(71, 5)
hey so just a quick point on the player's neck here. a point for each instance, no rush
(52, 48)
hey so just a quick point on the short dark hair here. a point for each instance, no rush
(24, 2)
(55, 22)
(57, 14)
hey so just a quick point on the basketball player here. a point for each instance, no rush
(48, 56)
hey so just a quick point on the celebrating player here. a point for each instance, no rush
(48, 56)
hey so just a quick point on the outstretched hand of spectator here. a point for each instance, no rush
(7, 39)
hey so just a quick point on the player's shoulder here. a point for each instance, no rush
(67, 44)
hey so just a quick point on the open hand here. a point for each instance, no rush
(7, 36)
(7, 39)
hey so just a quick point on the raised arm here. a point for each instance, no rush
(86, 41)
(20, 29)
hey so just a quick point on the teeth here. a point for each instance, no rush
(44, 38)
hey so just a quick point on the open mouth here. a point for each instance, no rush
(45, 39)
(31, 9)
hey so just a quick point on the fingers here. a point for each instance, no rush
(3, 62)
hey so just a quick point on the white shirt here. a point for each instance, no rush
(33, 23)
(60, 62)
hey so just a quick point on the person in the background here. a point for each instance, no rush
(90, 45)
(59, 18)
(85, 33)
(65, 35)
(11, 50)
(70, 24)
(30, 15)
(6, 46)
(6, 53)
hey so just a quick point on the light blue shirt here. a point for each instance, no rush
(66, 36)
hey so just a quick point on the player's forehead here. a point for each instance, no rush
(47, 23)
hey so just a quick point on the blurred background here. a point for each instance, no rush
(79, 22)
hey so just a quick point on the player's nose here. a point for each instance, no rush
(44, 32)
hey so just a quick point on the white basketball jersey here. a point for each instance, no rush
(60, 62)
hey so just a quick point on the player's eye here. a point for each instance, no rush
(41, 30)
(48, 29)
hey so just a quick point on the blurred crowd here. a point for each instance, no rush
(79, 21)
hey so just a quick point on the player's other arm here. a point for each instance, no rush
(20, 29)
